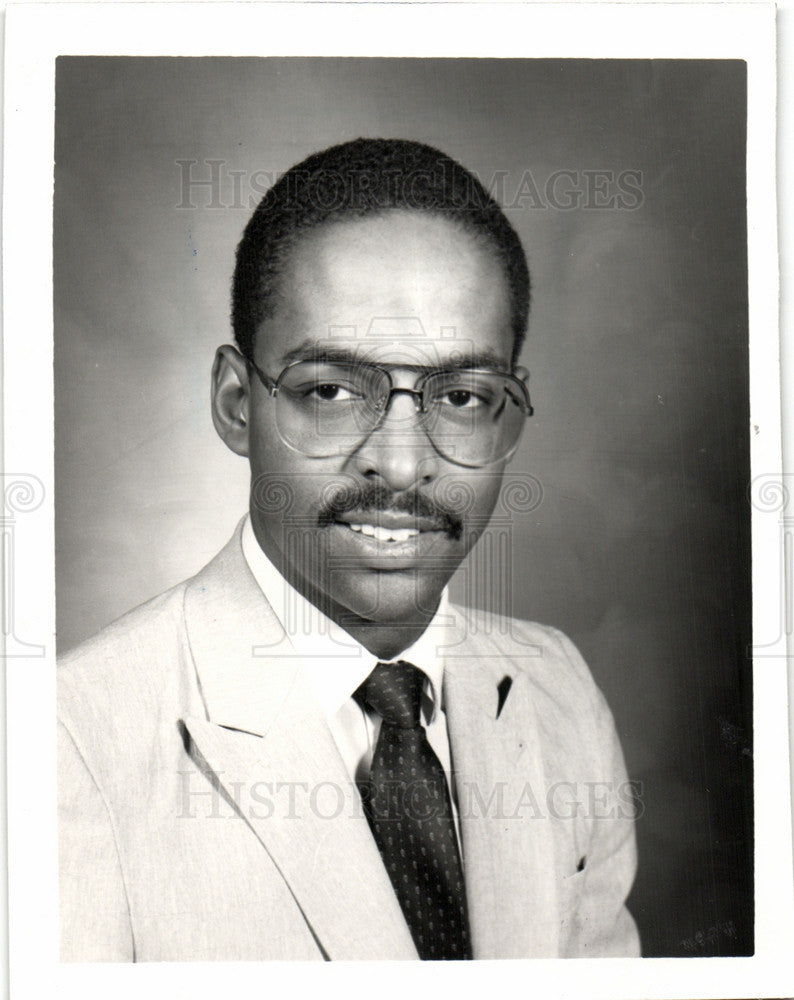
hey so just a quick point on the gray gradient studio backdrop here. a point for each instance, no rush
(638, 547)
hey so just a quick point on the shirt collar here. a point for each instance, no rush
(333, 661)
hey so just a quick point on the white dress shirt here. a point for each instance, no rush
(336, 664)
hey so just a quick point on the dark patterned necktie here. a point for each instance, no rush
(408, 807)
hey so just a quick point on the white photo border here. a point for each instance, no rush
(35, 36)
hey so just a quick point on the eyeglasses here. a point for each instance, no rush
(472, 416)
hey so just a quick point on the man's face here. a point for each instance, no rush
(400, 289)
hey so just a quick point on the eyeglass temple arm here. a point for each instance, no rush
(266, 381)
(521, 374)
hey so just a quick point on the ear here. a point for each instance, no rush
(231, 398)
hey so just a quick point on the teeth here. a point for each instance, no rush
(382, 534)
(402, 534)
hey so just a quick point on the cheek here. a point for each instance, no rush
(279, 484)
(472, 496)
(288, 490)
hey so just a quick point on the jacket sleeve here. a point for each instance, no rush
(95, 919)
(599, 924)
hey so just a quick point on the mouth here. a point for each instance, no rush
(387, 540)
(381, 517)
(382, 534)
(390, 527)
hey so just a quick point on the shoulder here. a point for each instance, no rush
(143, 643)
(128, 638)
(532, 647)
(572, 721)
(138, 675)
(561, 682)
(118, 675)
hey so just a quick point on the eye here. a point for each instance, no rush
(463, 399)
(331, 392)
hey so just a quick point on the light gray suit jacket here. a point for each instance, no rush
(206, 820)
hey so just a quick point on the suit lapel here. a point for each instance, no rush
(507, 843)
(263, 726)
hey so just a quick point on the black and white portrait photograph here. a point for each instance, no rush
(407, 495)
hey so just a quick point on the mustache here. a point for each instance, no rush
(380, 498)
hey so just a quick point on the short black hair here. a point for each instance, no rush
(359, 178)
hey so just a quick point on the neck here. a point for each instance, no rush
(386, 642)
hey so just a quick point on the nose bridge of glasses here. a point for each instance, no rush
(399, 425)
(386, 401)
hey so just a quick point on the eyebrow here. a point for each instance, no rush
(315, 351)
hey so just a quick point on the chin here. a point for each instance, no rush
(392, 598)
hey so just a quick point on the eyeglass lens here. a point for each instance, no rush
(471, 417)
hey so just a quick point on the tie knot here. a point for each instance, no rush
(394, 691)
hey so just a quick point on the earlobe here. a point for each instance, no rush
(230, 398)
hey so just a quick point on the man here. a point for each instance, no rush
(307, 752)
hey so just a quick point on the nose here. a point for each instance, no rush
(398, 453)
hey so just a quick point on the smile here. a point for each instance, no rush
(389, 544)
(383, 534)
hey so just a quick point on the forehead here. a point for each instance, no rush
(394, 286)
